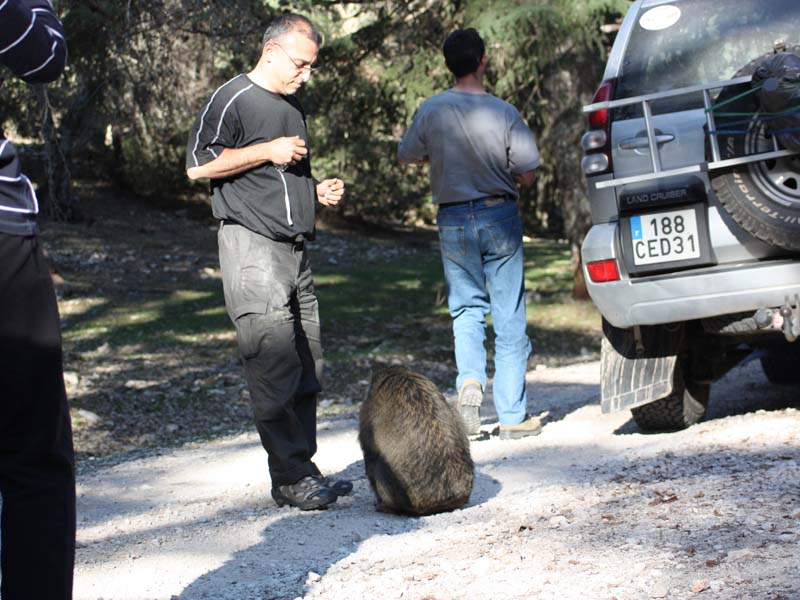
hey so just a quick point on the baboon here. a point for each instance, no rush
(416, 451)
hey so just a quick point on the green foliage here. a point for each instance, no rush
(544, 58)
(548, 60)
(139, 73)
(372, 80)
(136, 73)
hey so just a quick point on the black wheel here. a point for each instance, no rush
(781, 366)
(763, 196)
(685, 406)
(637, 370)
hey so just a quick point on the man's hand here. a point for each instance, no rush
(330, 191)
(287, 150)
(525, 179)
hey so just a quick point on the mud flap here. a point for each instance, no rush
(637, 364)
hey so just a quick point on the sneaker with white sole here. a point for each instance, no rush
(468, 405)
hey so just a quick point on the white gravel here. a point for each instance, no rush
(590, 509)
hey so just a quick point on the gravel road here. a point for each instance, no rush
(590, 509)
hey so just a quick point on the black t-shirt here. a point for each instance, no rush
(275, 202)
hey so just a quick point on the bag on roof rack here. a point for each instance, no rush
(779, 97)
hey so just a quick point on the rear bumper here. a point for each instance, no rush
(686, 295)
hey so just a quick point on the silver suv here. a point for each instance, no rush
(693, 258)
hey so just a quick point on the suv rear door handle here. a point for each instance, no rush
(636, 143)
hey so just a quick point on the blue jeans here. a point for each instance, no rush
(481, 245)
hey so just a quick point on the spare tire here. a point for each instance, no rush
(763, 196)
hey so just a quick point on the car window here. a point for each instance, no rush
(687, 43)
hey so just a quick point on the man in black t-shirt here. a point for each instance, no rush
(250, 139)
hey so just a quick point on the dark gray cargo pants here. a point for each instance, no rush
(269, 295)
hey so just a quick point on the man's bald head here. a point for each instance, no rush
(292, 22)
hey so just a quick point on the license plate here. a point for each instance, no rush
(664, 237)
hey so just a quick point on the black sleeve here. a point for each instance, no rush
(216, 127)
(32, 40)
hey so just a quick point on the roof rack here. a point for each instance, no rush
(655, 156)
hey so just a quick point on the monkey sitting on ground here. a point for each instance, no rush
(416, 451)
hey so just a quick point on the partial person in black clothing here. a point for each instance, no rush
(37, 482)
(250, 140)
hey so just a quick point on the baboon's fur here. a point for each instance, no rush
(416, 450)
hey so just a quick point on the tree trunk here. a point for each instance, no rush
(567, 85)
(59, 202)
(579, 291)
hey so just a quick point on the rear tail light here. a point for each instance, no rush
(596, 141)
(600, 118)
(603, 270)
(592, 164)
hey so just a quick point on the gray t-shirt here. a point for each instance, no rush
(474, 143)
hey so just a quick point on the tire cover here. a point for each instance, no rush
(763, 197)
(777, 79)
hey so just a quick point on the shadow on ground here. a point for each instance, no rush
(742, 390)
(552, 399)
(316, 540)
(295, 549)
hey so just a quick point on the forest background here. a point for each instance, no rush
(139, 72)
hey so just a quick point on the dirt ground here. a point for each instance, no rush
(590, 509)
(131, 390)
(151, 359)
(174, 491)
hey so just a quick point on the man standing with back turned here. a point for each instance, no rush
(479, 147)
(37, 478)
(250, 139)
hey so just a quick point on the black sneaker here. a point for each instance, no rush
(341, 487)
(307, 494)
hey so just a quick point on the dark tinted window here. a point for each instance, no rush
(710, 41)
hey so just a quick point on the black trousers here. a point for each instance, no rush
(37, 481)
(269, 295)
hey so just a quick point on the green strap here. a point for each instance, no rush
(736, 97)
(791, 109)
